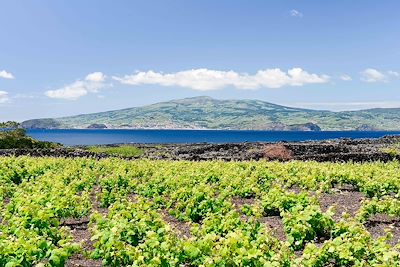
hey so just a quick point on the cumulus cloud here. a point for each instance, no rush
(206, 80)
(6, 75)
(95, 77)
(372, 75)
(92, 83)
(296, 13)
(345, 77)
(394, 73)
(4, 97)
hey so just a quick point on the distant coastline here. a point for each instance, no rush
(206, 113)
(206, 129)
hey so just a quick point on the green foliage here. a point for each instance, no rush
(119, 151)
(134, 234)
(163, 213)
(228, 241)
(387, 205)
(351, 245)
(45, 193)
(9, 124)
(277, 201)
(17, 138)
(196, 203)
(303, 224)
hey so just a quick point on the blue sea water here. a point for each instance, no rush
(108, 136)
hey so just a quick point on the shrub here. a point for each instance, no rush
(18, 139)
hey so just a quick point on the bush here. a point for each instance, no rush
(9, 125)
(18, 139)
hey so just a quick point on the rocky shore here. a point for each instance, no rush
(357, 150)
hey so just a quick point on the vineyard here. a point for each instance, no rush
(113, 212)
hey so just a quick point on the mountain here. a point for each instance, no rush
(208, 113)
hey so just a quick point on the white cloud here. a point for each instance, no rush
(6, 75)
(205, 79)
(95, 77)
(93, 83)
(296, 13)
(345, 77)
(372, 75)
(4, 97)
(394, 73)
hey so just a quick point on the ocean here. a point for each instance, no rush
(73, 137)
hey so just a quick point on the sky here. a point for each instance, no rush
(60, 58)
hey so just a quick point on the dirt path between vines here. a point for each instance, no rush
(81, 234)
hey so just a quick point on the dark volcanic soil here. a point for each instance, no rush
(329, 150)
(357, 150)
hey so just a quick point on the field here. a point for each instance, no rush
(83, 212)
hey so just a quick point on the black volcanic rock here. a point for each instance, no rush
(338, 150)
(97, 126)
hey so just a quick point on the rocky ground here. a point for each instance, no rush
(329, 150)
(357, 150)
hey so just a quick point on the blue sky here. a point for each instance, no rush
(69, 57)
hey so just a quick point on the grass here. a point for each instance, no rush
(122, 151)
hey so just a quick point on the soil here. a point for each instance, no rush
(238, 202)
(182, 229)
(379, 224)
(81, 235)
(344, 201)
(275, 225)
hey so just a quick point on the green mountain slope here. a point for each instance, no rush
(209, 113)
